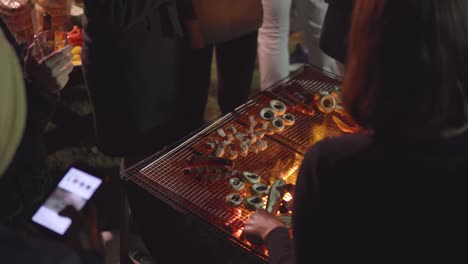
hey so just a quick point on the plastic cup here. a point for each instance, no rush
(48, 41)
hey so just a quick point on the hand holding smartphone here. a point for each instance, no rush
(74, 189)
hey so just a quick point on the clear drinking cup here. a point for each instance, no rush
(48, 41)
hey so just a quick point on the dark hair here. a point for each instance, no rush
(407, 71)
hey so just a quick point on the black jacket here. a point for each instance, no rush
(359, 200)
(130, 62)
(336, 25)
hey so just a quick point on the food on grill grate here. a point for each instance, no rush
(231, 129)
(278, 107)
(260, 189)
(345, 127)
(254, 149)
(239, 136)
(209, 169)
(236, 184)
(207, 161)
(230, 138)
(211, 145)
(220, 151)
(275, 196)
(288, 119)
(251, 177)
(327, 103)
(262, 145)
(252, 138)
(267, 114)
(301, 93)
(244, 148)
(254, 202)
(209, 174)
(234, 199)
(260, 134)
(277, 124)
(252, 122)
(221, 133)
(232, 155)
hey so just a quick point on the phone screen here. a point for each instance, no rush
(75, 189)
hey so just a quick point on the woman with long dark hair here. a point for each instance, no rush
(397, 193)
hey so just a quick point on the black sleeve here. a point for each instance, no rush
(306, 216)
(120, 15)
(279, 245)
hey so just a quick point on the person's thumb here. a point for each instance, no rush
(70, 212)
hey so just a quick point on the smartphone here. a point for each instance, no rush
(75, 188)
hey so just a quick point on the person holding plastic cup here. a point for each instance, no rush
(26, 179)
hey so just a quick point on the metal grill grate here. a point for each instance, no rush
(162, 174)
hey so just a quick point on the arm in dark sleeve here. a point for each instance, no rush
(306, 211)
(122, 14)
(280, 248)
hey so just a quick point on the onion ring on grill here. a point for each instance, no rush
(288, 119)
(267, 114)
(326, 103)
(236, 184)
(278, 107)
(277, 124)
(251, 177)
(234, 199)
(254, 202)
(260, 189)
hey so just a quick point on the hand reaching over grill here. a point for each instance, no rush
(261, 223)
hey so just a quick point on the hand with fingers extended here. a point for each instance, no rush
(83, 234)
(51, 72)
(261, 223)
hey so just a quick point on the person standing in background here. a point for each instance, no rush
(336, 25)
(273, 38)
(235, 63)
(311, 16)
(27, 179)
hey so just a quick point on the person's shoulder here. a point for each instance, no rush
(337, 148)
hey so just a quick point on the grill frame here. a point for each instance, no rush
(150, 176)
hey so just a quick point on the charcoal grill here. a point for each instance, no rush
(162, 174)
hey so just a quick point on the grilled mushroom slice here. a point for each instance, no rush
(250, 177)
(288, 119)
(260, 189)
(236, 184)
(234, 199)
(267, 114)
(277, 124)
(278, 107)
(254, 202)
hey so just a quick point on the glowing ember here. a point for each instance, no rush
(287, 197)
